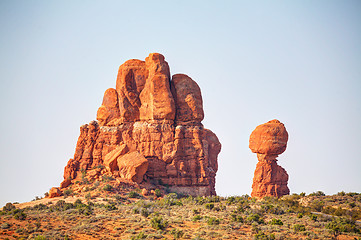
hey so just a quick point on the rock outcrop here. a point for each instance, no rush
(54, 192)
(149, 131)
(268, 141)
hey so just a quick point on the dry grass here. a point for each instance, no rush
(113, 215)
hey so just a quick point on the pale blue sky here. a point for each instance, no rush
(297, 61)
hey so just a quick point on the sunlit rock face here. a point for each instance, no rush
(268, 141)
(149, 131)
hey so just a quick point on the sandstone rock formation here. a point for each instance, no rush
(149, 131)
(54, 192)
(268, 141)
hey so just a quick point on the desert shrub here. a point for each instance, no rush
(263, 236)
(135, 210)
(83, 208)
(197, 218)
(209, 206)
(351, 194)
(39, 206)
(342, 225)
(134, 194)
(317, 194)
(339, 211)
(106, 178)
(110, 207)
(196, 211)
(313, 217)
(276, 222)
(108, 188)
(230, 200)
(254, 218)
(158, 223)
(240, 209)
(177, 234)
(300, 215)
(236, 218)
(144, 212)
(68, 192)
(20, 215)
(40, 237)
(213, 221)
(157, 193)
(9, 207)
(299, 227)
(61, 205)
(119, 197)
(317, 205)
(302, 194)
(88, 196)
(213, 199)
(140, 235)
(5, 226)
(270, 208)
(355, 214)
(352, 204)
(171, 200)
(341, 193)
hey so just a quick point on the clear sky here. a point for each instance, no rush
(296, 61)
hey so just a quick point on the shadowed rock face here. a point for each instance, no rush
(148, 131)
(268, 141)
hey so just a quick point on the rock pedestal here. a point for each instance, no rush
(268, 141)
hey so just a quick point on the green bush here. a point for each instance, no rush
(213, 221)
(317, 206)
(134, 194)
(8, 207)
(255, 218)
(110, 207)
(108, 188)
(68, 192)
(5, 226)
(263, 236)
(276, 222)
(140, 235)
(300, 215)
(209, 206)
(299, 227)
(317, 194)
(196, 211)
(157, 193)
(313, 217)
(20, 215)
(197, 218)
(177, 234)
(342, 225)
(40, 237)
(236, 218)
(144, 212)
(158, 223)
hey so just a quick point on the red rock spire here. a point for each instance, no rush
(269, 140)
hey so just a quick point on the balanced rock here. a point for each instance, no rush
(149, 131)
(268, 141)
